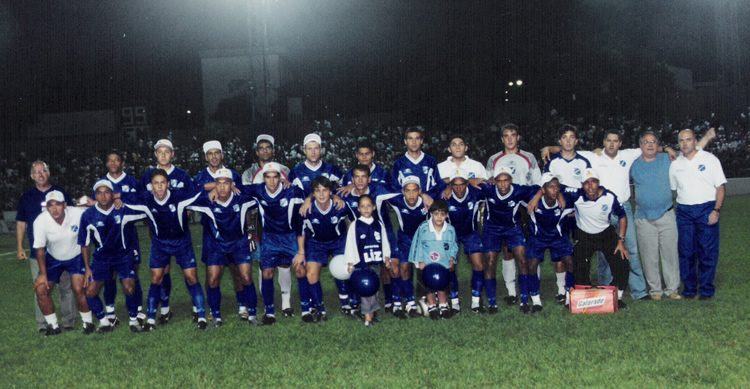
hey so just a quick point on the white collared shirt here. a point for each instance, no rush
(614, 173)
(60, 240)
(696, 180)
(468, 168)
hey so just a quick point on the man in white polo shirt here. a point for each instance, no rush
(699, 180)
(459, 164)
(57, 251)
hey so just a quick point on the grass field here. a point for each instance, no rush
(665, 343)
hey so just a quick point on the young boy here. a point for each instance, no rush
(435, 242)
(366, 245)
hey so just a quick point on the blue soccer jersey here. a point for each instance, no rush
(424, 167)
(225, 220)
(105, 228)
(366, 243)
(325, 225)
(179, 180)
(167, 218)
(462, 212)
(378, 175)
(31, 205)
(278, 211)
(126, 183)
(409, 218)
(352, 199)
(205, 176)
(502, 211)
(547, 221)
(303, 175)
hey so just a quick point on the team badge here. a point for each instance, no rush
(74, 228)
(434, 256)
(701, 167)
(425, 169)
(118, 220)
(362, 236)
(334, 220)
(605, 207)
(446, 246)
(236, 208)
(511, 203)
(577, 172)
(623, 163)
(283, 202)
(377, 236)
(126, 188)
(471, 205)
(172, 208)
(557, 212)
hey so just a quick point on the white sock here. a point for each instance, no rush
(567, 297)
(141, 315)
(509, 276)
(560, 282)
(151, 321)
(110, 309)
(285, 285)
(536, 300)
(51, 320)
(242, 309)
(86, 317)
(140, 308)
(164, 310)
(260, 279)
(474, 301)
(195, 310)
(105, 322)
(539, 272)
(455, 302)
(133, 322)
(619, 294)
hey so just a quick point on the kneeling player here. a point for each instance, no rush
(547, 232)
(435, 242)
(115, 252)
(322, 236)
(225, 243)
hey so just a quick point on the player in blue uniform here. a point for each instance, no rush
(416, 163)
(410, 209)
(502, 227)
(166, 213)
(365, 154)
(115, 252)
(179, 181)
(546, 232)
(279, 210)
(322, 235)
(206, 180)
(225, 242)
(362, 185)
(313, 166)
(463, 212)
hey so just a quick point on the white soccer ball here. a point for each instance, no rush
(339, 268)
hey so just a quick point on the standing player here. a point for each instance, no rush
(323, 235)
(225, 242)
(418, 164)
(463, 212)
(502, 227)
(57, 251)
(179, 181)
(115, 252)
(546, 232)
(166, 212)
(265, 153)
(365, 155)
(280, 217)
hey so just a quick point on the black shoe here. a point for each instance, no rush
(88, 328)
(511, 300)
(536, 308)
(149, 327)
(141, 321)
(135, 328)
(702, 297)
(455, 310)
(388, 308)
(218, 322)
(253, 321)
(114, 320)
(434, 313)
(525, 308)
(413, 312)
(268, 320)
(195, 316)
(399, 313)
(202, 324)
(560, 299)
(104, 329)
(49, 331)
(346, 310)
(645, 298)
(289, 312)
(492, 309)
(621, 305)
(479, 309)
(308, 317)
(164, 319)
(446, 313)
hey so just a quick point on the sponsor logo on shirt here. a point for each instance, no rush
(605, 207)
(315, 221)
(100, 224)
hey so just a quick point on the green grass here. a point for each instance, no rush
(666, 343)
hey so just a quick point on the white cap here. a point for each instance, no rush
(589, 173)
(223, 173)
(500, 169)
(312, 138)
(211, 145)
(411, 180)
(103, 183)
(264, 137)
(163, 142)
(458, 174)
(547, 177)
(54, 195)
(270, 167)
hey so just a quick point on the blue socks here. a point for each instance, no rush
(214, 300)
(267, 291)
(165, 290)
(316, 295)
(477, 282)
(490, 289)
(137, 292)
(454, 283)
(343, 289)
(523, 283)
(154, 298)
(196, 294)
(533, 285)
(250, 299)
(132, 302)
(95, 304)
(110, 291)
(304, 294)
(569, 280)
(407, 290)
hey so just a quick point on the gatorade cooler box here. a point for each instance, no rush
(593, 300)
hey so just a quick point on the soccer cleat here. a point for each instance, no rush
(346, 310)
(68, 328)
(149, 327)
(369, 323)
(412, 311)
(195, 316)
(434, 313)
(114, 320)
(141, 317)
(455, 308)
(269, 319)
(135, 327)
(621, 305)
(202, 324)
(388, 308)
(536, 308)
(104, 328)
(423, 308)
(88, 328)
(492, 309)
(218, 322)
(322, 316)
(164, 319)
(560, 299)
(446, 313)
(243, 314)
(511, 300)
(479, 309)
(51, 331)
(524, 307)
(674, 296)
(253, 321)
(42, 330)
(288, 312)
(399, 312)
(308, 317)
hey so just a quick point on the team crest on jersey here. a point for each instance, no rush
(434, 256)
(100, 223)
(363, 236)
(512, 170)
(528, 177)
(701, 167)
(577, 172)
(172, 208)
(117, 219)
(623, 163)
(511, 203)
(557, 212)
(605, 207)
(236, 208)
(425, 169)
(126, 188)
(334, 220)
(176, 184)
(377, 236)
(74, 228)
(283, 202)
(471, 205)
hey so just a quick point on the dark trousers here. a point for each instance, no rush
(606, 242)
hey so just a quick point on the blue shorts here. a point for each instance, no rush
(56, 268)
(402, 249)
(558, 248)
(163, 250)
(319, 252)
(102, 270)
(277, 250)
(255, 254)
(223, 254)
(493, 238)
(472, 243)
